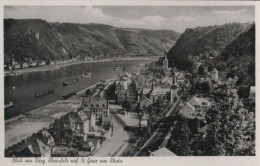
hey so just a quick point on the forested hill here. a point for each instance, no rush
(202, 42)
(238, 58)
(39, 40)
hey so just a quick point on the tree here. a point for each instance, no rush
(179, 141)
(206, 87)
(232, 128)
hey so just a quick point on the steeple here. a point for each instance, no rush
(165, 60)
(165, 55)
(152, 85)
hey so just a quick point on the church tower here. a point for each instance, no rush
(165, 60)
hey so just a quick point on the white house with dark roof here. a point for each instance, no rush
(188, 111)
(143, 121)
(198, 102)
(98, 106)
(252, 92)
(159, 93)
(37, 149)
(83, 122)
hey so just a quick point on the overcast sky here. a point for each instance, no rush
(174, 17)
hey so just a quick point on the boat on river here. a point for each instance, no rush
(12, 74)
(9, 105)
(68, 95)
(66, 83)
(44, 94)
(116, 68)
(86, 74)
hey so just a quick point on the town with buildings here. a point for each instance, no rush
(168, 112)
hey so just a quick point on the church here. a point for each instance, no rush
(160, 66)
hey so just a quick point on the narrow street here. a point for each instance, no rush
(119, 142)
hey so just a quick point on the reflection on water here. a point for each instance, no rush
(21, 89)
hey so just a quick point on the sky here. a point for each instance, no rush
(176, 18)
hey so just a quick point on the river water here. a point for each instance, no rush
(21, 89)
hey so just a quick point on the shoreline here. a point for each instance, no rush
(42, 116)
(57, 101)
(58, 66)
(54, 67)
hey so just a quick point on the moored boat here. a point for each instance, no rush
(86, 74)
(66, 83)
(44, 94)
(9, 105)
(116, 68)
(68, 95)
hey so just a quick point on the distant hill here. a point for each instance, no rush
(238, 58)
(198, 43)
(39, 40)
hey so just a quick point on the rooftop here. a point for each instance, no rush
(38, 148)
(95, 103)
(162, 152)
(198, 101)
(160, 91)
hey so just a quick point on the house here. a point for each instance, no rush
(188, 111)
(205, 69)
(17, 65)
(121, 88)
(144, 103)
(107, 120)
(162, 152)
(98, 106)
(143, 120)
(88, 147)
(143, 72)
(121, 96)
(92, 118)
(167, 80)
(159, 93)
(25, 65)
(69, 122)
(33, 64)
(35, 149)
(180, 78)
(42, 63)
(92, 145)
(122, 81)
(199, 103)
(83, 122)
(46, 139)
(252, 93)
(214, 74)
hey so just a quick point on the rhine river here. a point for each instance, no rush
(21, 89)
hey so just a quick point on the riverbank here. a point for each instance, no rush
(58, 66)
(23, 126)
